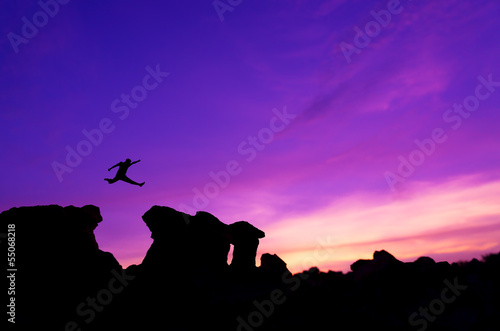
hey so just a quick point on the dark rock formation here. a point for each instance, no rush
(211, 238)
(171, 246)
(190, 243)
(64, 282)
(381, 261)
(58, 262)
(245, 238)
(187, 262)
(199, 241)
(425, 262)
(272, 263)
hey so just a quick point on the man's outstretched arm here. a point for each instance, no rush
(116, 165)
(135, 162)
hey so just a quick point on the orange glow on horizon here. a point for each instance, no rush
(444, 220)
(454, 221)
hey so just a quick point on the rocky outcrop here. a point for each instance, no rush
(58, 262)
(273, 265)
(382, 260)
(199, 242)
(65, 282)
(245, 238)
(188, 263)
(211, 239)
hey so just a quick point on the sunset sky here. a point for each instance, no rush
(337, 127)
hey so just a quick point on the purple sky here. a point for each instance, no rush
(311, 128)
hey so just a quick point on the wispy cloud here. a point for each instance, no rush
(453, 217)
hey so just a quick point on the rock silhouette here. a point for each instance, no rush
(273, 265)
(381, 261)
(58, 262)
(65, 282)
(245, 238)
(201, 241)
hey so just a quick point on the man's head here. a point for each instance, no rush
(128, 161)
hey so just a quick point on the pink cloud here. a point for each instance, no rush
(447, 219)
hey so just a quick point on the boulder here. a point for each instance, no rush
(185, 242)
(424, 263)
(210, 241)
(382, 260)
(171, 248)
(58, 261)
(272, 264)
(245, 238)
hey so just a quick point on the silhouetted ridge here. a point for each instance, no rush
(245, 238)
(58, 262)
(199, 241)
(186, 242)
(64, 282)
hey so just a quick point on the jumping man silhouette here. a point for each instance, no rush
(121, 173)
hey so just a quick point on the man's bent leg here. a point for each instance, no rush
(111, 181)
(130, 181)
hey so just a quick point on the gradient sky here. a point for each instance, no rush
(314, 181)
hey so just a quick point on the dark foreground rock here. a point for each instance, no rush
(58, 262)
(64, 282)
